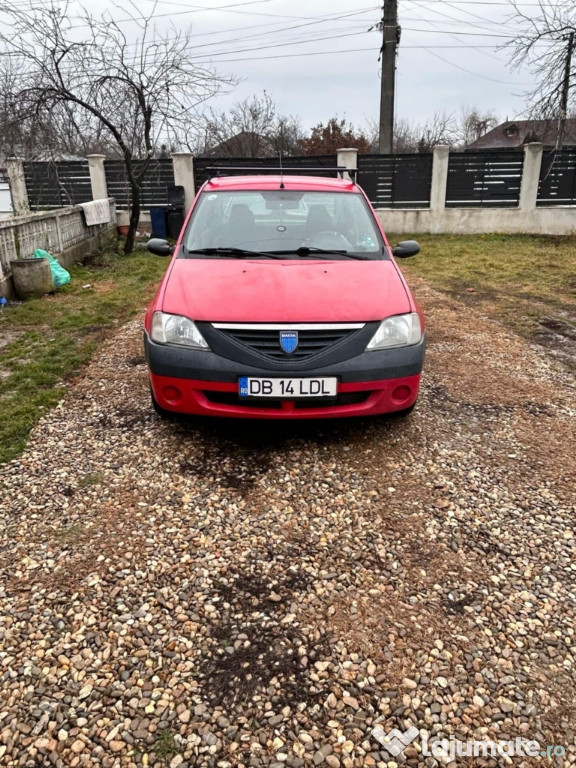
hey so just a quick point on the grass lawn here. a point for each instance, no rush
(526, 281)
(45, 342)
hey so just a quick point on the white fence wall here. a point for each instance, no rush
(54, 231)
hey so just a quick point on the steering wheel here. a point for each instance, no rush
(329, 239)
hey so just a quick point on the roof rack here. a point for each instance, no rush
(340, 169)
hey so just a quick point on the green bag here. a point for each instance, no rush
(60, 276)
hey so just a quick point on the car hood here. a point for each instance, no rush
(238, 290)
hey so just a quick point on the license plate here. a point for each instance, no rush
(257, 386)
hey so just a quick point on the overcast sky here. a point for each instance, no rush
(317, 58)
(449, 56)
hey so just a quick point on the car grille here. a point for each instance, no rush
(312, 340)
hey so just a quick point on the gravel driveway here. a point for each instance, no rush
(261, 595)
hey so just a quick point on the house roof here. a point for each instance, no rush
(515, 133)
(240, 145)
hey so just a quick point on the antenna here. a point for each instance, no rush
(281, 174)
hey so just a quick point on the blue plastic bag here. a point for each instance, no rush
(60, 276)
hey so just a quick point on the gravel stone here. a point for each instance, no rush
(262, 594)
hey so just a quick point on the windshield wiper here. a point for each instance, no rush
(304, 250)
(237, 253)
(310, 250)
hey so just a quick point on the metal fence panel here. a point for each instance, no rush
(396, 181)
(57, 184)
(484, 179)
(557, 184)
(206, 167)
(158, 177)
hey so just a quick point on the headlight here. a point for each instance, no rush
(397, 331)
(176, 329)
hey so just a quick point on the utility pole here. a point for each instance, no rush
(390, 39)
(565, 91)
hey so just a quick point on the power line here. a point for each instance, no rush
(272, 31)
(283, 45)
(469, 71)
(472, 34)
(302, 55)
(456, 21)
(455, 7)
(203, 59)
(231, 8)
(207, 58)
(459, 21)
(490, 2)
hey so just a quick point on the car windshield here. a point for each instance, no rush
(295, 224)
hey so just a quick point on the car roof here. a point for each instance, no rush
(265, 182)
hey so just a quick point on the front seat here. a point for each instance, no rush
(318, 220)
(242, 225)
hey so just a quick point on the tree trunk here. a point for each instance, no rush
(134, 218)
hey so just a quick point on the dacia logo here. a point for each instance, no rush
(288, 341)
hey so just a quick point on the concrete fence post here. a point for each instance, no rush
(183, 164)
(440, 159)
(530, 176)
(17, 182)
(97, 176)
(347, 158)
(59, 234)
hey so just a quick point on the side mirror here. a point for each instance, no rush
(405, 249)
(159, 247)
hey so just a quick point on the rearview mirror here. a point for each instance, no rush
(159, 247)
(405, 249)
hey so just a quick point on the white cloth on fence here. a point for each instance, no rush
(96, 212)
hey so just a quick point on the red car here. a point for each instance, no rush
(283, 301)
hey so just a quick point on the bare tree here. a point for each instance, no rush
(410, 137)
(251, 128)
(136, 94)
(473, 124)
(286, 136)
(405, 139)
(20, 135)
(440, 129)
(545, 43)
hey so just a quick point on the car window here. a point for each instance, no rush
(274, 220)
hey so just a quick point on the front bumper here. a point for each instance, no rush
(199, 382)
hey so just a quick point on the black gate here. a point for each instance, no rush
(57, 184)
(396, 181)
(154, 189)
(484, 179)
(558, 178)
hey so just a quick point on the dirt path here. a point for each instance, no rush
(254, 595)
